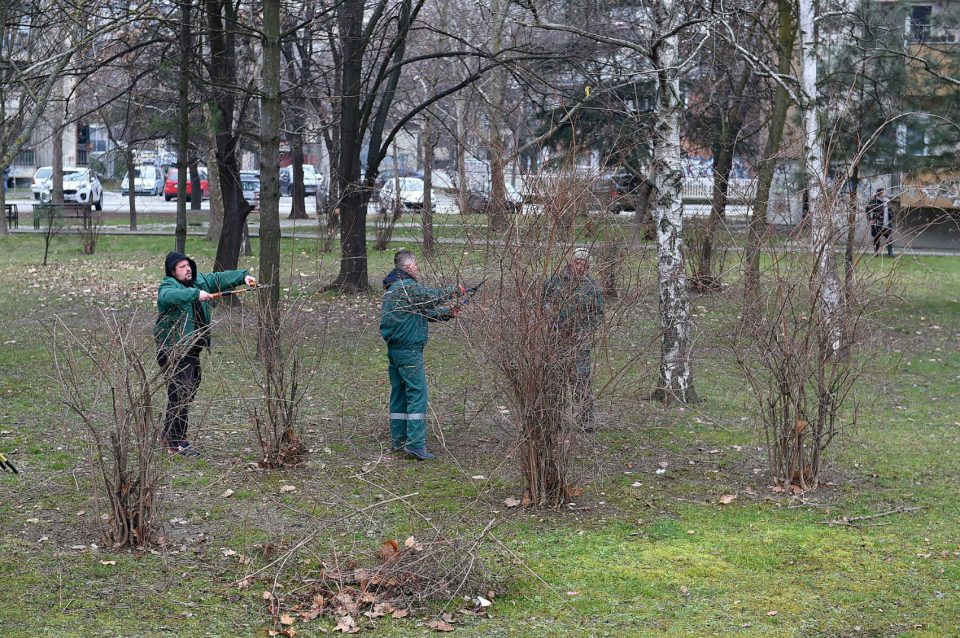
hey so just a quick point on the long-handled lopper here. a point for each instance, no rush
(237, 291)
(7, 466)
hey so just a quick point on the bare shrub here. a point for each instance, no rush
(537, 337)
(104, 380)
(803, 385)
(279, 374)
(89, 233)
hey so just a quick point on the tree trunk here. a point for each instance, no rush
(270, 116)
(824, 226)
(183, 132)
(353, 214)
(216, 199)
(196, 190)
(428, 143)
(298, 208)
(676, 368)
(4, 231)
(462, 186)
(131, 184)
(221, 20)
(724, 149)
(56, 180)
(768, 162)
(498, 222)
(704, 279)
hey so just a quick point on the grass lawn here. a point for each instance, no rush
(642, 552)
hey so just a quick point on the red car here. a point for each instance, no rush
(170, 184)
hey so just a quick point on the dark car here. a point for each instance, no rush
(479, 202)
(618, 192)
(170, 184)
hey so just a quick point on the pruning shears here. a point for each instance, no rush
(237, 291)
(468, 294)
(7, 466)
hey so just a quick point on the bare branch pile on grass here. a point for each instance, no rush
(402, 577)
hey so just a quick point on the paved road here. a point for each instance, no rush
(114, 202)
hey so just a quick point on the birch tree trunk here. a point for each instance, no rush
(824, 226)
(676, 369)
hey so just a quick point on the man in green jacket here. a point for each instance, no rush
(182, 331)
(573, 302)
(407, 307)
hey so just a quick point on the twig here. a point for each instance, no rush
(286, 555)
(851, 521)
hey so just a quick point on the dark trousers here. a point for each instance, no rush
(182, 388)
(882, 235)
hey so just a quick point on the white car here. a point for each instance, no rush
(403, 191)
(40, 180)
(311, 180)
(80, 185)
(250, 183)
(146, 180)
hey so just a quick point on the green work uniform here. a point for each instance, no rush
(576, 309)
(178, 308)
(407, 307)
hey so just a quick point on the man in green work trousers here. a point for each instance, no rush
(407, 307)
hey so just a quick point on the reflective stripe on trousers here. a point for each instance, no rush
(408, 398)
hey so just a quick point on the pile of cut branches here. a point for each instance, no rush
(405, 574)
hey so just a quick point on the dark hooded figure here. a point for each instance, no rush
(182, 331)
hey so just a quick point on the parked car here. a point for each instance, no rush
(80, 185)
(311, 180)
(170, 185)
(40, 179)
(250, 182)
(403, 191)
(147, 180)
(618, 192)
(479, 202)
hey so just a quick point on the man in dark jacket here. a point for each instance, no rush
(573, 303)
(881, 222)
(182, 331)
(407, 307)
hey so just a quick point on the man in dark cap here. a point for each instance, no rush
(182, 331)
(573, 302)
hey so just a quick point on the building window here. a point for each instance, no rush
(920, 22)
(24, 157)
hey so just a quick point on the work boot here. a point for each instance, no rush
(419, 453)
